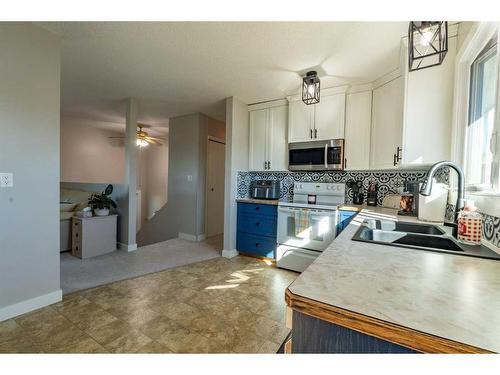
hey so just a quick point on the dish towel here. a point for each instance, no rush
(302, 223)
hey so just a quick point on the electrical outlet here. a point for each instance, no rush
(6, 180)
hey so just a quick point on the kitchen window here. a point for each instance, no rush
(481, 167)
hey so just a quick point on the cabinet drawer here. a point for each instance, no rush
(260, 225)
(256, 245)
(261, 209)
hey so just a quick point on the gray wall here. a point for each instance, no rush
(179, 214)
(29, 114)
(185, 208)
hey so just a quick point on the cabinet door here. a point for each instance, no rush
(300, 121)
(357, 130)
(277, 143)
(387, 123)
(258, 136)
(329, 117)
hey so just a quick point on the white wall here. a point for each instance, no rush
(88, 154)
(29, 220)
(236, 160)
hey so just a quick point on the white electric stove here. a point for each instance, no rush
(305, 229)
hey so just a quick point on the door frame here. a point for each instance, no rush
(211, 138)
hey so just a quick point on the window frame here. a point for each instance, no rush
(475, 101)
(479, 35)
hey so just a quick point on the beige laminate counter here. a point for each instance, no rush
(427, 301)
(273, 202)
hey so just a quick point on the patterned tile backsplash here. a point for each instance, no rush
(388, 182)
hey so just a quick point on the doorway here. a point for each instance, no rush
(214, 217)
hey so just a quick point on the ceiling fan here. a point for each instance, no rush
(143, 138)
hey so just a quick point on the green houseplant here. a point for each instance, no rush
(101, 203)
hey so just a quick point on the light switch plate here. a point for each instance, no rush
(6, 180)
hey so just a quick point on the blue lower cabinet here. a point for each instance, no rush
(257, 228)
(256, 245)
(345, 218)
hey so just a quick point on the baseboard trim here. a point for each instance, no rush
(230, 253)
(127, 247)
(192, 237)
(24, 307)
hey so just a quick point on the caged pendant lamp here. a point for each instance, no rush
(427, 44)
(310, 88)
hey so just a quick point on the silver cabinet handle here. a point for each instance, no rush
(326, 156)
(268, 165)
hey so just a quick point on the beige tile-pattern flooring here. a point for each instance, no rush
(216, 306)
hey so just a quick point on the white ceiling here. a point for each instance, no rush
(177, 68)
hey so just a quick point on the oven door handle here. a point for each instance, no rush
(312, 211)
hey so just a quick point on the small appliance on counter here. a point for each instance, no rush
(371, 195)
(357, 191)
(265, 189)
(409, 199)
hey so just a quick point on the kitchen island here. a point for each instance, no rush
(365, 297)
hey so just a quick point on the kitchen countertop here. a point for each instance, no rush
(273, 202)
(427, 301)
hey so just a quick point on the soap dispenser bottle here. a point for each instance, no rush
(470, 224)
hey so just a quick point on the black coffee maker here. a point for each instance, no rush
(357, 191)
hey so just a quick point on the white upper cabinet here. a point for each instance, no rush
(301, 121)
(329, 116)
(387, 124)
(357, 130)
(317, 122)
(277, 142)
(268, 140)
(258, 139)
(428, 112)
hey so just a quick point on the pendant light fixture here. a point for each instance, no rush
(427, 44)
(310, 88)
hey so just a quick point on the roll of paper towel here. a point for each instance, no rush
(433, 207)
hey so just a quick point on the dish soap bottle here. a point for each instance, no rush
(470, 224)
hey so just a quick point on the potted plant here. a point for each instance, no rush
(101, 202)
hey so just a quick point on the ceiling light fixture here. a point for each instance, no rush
(310, 88)
(142, 143)
(427, 44)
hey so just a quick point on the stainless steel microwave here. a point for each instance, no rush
(316, 155)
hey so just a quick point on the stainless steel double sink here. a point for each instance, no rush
(418, 237)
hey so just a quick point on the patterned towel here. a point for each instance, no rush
(302, 223)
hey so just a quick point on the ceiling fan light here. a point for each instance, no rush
(310, 88)
(142, 143)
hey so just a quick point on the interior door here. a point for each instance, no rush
(215, 188)
(277, 140)
(329, 117)
(258, 135)
(387, 123)
(300, 121)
